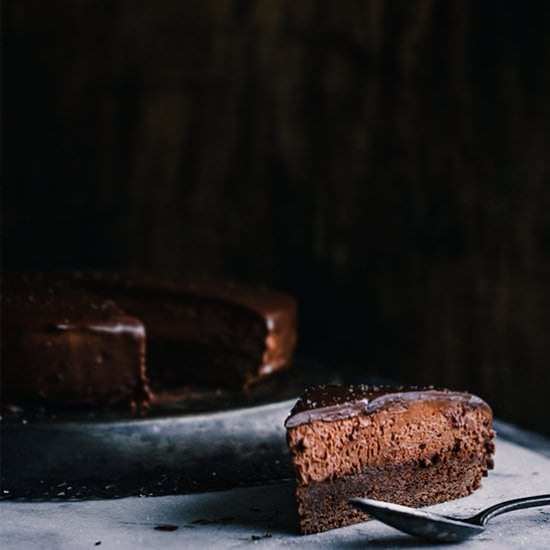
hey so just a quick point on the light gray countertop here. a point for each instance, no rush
(265, 516)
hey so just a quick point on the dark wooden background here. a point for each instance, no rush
(386, 161)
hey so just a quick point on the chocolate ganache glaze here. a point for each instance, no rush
(334, 402)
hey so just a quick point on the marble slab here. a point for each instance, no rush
(264, 517)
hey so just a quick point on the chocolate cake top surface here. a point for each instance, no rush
(92, 295)
(328, 403)
(266, 302)
(42, 303)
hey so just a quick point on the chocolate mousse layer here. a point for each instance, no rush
(413, 446)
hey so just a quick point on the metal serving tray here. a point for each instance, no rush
(209, 440)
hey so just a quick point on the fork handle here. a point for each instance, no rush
(509, 506)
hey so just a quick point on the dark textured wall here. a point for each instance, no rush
(388, 162)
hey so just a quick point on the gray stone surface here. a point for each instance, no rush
(265, 517)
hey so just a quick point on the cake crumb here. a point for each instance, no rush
(166, 527)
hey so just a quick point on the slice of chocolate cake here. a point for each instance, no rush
(411, 446)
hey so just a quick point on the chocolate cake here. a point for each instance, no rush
(98, 340)
(411, 446)
(69, 347)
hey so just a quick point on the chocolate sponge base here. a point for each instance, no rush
(324, 505)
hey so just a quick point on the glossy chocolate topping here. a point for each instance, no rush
(327, 403)
(266, 302)
(42, 303)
